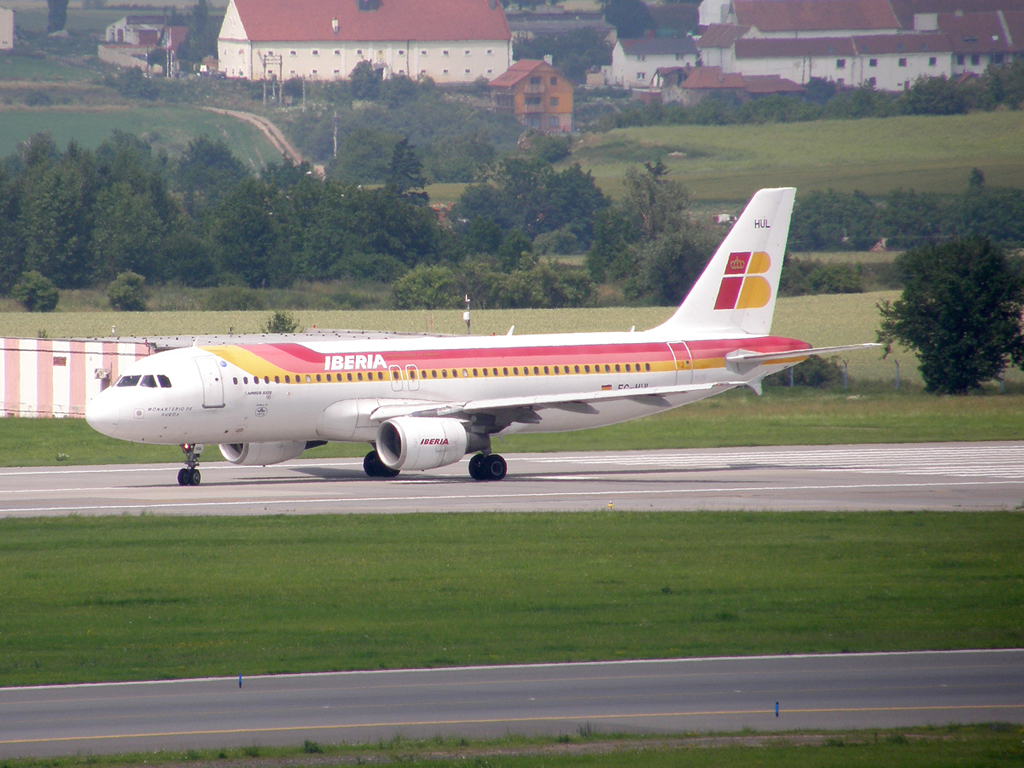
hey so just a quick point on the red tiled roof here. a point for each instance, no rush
(519, 70)
(883, 44)
(905, 9)
(721, 35)
(815, 15)
(760, 48)
(1015, 26)
(975, 32)
(765, 84)
(712, 78)
(394, 20)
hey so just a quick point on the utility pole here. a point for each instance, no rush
(465, 316)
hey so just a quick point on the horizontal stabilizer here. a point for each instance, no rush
(742, 356)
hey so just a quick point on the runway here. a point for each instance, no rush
(675, 696)
(941, 476)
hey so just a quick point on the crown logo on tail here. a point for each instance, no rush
(742, 286)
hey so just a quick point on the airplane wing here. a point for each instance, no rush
(572, 401)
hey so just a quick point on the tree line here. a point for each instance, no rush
(79, 218)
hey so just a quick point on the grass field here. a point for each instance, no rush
(979, 746)
(122, 598)
(729, 163)
(24, 68)
(166, 127)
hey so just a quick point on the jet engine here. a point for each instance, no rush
(411, 442)
(261, 454)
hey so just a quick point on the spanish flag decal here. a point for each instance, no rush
(742, 286)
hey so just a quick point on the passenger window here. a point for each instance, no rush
(359, 376)
(576, 368)
(287, 379)
(234, 379)
(465, 373)
(627, 367)
(329, 377)
(586, 369)
(318, 377)
(349, 376)
(245, 379)
(148, 381)
(536, 371)
(128, 381)
(164, 381)
(444, 373)
(616, 367)
(647, 366)
(545, 370)
(494, 371)
(504, 371)
(309, 379)
(277, 379)
(433, 374)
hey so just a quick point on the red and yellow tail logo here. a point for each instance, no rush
(743, 287)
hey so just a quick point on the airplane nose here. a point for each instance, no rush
(103, 414)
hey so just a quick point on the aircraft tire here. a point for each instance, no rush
(476, 470)
(494, 467)
(183, 478)
(374, 467)
(196, 478)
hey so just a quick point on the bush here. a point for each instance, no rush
(816, 371)
(36, 292)
(126, 293)
(281, 322)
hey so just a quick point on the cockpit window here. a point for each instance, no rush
(128, 381)
(148, 381)
(164, 381)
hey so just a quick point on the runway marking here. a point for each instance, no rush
(494, 721)
(739, 489)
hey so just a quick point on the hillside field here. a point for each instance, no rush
(169, 128)
(729, 163)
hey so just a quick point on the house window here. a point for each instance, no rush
(975, 59)
(534, 81)
(444, 53)
(401, 71)
(423, 73)
(467, 71)
(960, 59)
(840, 63)
(337, 72)
(552, 122)
(401, 53)
(490, 71)
(554, 81)
(932, 61)
(316, 52)
(467, 53)
(903, 62)
(359, 51)
(533, 101)
(871, 82)
(872, 62)
(554, 101)
(490, 52)
(337, 52)
(291, 53)
(641, 57)
(444, 71)
(423, 53)
(641, 75)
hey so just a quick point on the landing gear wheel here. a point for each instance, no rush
(490, 467)
(189, 475)
(374, 467)
(476, 467)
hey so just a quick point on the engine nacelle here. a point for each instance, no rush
(261, 454)
(411, 442)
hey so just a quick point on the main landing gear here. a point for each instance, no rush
(374, 467)
(488, 466)
(189, 475)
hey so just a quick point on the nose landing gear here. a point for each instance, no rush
(189, 475)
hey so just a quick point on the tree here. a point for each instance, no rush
(57, 15)
(960, 312)
(126, 293)
(252, 228)
(205, 172)
(629, 17)
(365, 81)
(36, 292)
(281, 322)
(405, 173)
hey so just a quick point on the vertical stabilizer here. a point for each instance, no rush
(737, 290)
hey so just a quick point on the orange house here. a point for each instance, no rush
(538, 94)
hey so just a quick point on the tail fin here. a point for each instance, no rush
(737, 290)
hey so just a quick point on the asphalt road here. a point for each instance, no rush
(945, 476)
(675, 696)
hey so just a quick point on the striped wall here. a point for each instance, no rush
(45, 378)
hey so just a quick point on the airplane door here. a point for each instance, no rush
(213, 381)
(684, 362)
(396, 378)
(413, 375)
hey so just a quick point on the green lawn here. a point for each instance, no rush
(166, 127)
(25, 68)
(125, 598)
(729, 163)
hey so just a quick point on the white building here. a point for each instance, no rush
(6, 29)
(635, 62)
(451, 41)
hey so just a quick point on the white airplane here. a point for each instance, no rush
(424, 402)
